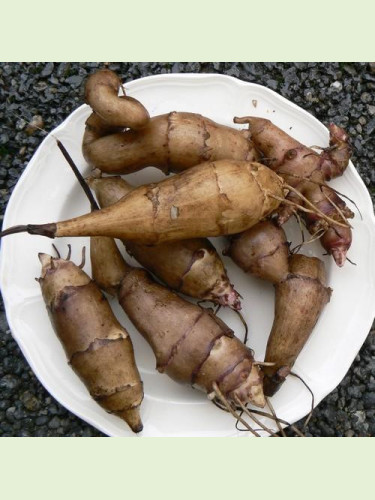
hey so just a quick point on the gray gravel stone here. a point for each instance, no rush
(30, 401)
(370, 127)
(54, 423)
(47, 70)
(336, 85)
(9, 382)
(339, 92)
(75, 80)
(369, 400)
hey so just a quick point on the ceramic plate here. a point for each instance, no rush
(48, 191)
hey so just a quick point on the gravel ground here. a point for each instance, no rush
(338, 92)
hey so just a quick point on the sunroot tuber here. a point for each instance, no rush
(171, 142)
(190, 266)
(262, 251)
(300, 299)
(101, 93)
(307, 171)
(211, 199)
(98, 348)
(190, 343)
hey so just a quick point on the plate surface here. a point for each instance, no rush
(47, 191)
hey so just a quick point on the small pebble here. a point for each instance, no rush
(35, 124)
(48, 68)
(336, 85)
(54, 423)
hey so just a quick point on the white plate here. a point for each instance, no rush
(48, 191)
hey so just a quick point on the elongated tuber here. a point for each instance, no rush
(190, 343)
(98, 348)
(190, 266)
(300, 290)
(211, 199)
(300, 299)
(171, 142)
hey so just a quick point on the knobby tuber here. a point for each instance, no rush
(190, 343)
(98, 348)
(101, 93)
(190, 266)
(262, 251)
(300, 294)
(308, 171)
(171, 142)
(211, 199)
(300, 299)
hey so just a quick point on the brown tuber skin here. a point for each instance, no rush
(307, 171)
(101, 93)
(262, 251)
(300, 299)
(211, 199)
(301, 294)
(102, 249)
(190, 343)
(172, 142)
(98, 348)
(192, 266)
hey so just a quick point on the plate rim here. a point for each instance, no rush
(131, 85)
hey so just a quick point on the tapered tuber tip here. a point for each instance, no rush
(251, 390)
(272, 383)
(256, 394)
(230, 299)
(44, 258)
(338, 133)
(339, 255)
(47, 262)
(132, 418)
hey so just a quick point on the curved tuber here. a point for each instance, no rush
(101, 93)
(172, 142)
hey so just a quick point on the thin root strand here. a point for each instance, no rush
(56, 250)
(282, 421)
(243, 321)
(69, 252)
(312, 398)
(77, 173)
(229, 408)
(279, 426)
(253, 417)
(304, 209)
(82, 264)
(314, 207)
